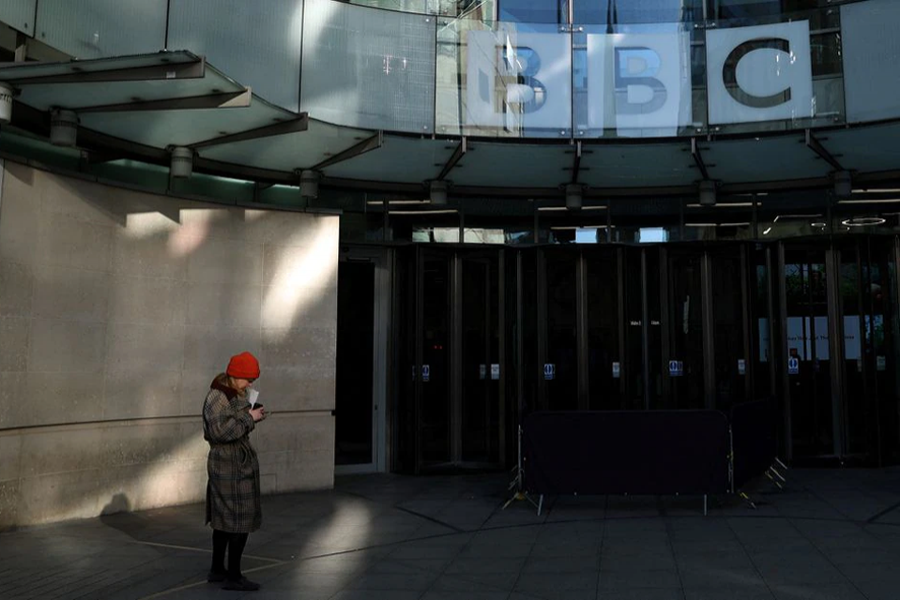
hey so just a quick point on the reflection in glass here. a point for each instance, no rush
(434, 403)
(562, 391)
(807, 343)
(615, 12)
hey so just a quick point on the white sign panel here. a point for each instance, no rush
(803, 332)
(495, 372)
(639, 84)
(519, 80)
(759, 73)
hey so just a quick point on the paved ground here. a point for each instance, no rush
(831, 535)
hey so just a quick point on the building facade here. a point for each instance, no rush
(448, 214)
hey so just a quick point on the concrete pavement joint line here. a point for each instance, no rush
(203, 550)
(200, 583)
(827, 558)
(432, 519)
(522, 568)
(667, 523)
(886, 511)
(749, 557)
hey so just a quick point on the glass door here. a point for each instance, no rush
(685, 361)
(481, 374)
(807, 370)
(559, 313)
(458, 371)
(866, 307)
(432, 370)
(361, 371)
(605, 312)
(354, 427)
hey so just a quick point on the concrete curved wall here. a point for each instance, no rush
(117, 308)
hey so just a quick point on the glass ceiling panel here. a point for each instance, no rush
(865, 149)
(82, 95)
(515, 165)
(399, 159)
(28, 70)
(641, 165)
(290, 151)
(19, 14)
(184, 127)
(762, 159)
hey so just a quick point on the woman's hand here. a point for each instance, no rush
(258, 414)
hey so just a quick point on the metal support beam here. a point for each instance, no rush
(367, 145)
(813, 143)
(576, 164)
(165, 71)
(237, 99)
(301, 123)
(460, 151)
(21, 47)
(698, 158)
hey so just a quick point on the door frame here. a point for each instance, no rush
(455, 255)
(381, 314)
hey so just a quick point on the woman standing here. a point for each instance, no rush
(232, 494)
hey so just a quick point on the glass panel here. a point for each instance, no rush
(604, 362)
(98, 28)
(406, 223)
(857, 400)
(760, 321)
(222, 30)
(562, 390)
(533, 371)
(793, 214)
(434, 403)
(758, 9)
(534, 11)
(633, 361)
(503, 79)
(635, 82)
(650, 221)
(749, 88)
(870, 403)
(807, 344)
(886, 348)
(869, 51)
(404, 419)
(730, 219)
(353, 375)
(19, 14)
(368, 68)
(182, 127)
(615, 12)
(728, 327)
(480, 351)
(685, 331)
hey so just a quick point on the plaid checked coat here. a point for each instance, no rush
(232, 493)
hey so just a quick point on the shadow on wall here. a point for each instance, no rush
(152, 295)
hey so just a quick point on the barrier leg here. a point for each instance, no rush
(518, 482)
(705, 507)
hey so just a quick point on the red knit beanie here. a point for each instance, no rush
(243, 366)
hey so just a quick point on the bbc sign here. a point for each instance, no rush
(639, 82)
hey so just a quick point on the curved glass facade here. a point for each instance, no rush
(514, 68)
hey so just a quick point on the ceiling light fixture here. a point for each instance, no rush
(863, 221)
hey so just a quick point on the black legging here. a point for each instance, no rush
(235, 543)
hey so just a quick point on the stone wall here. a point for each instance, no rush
(117, 308)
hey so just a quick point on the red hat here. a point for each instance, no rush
(243, 366)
